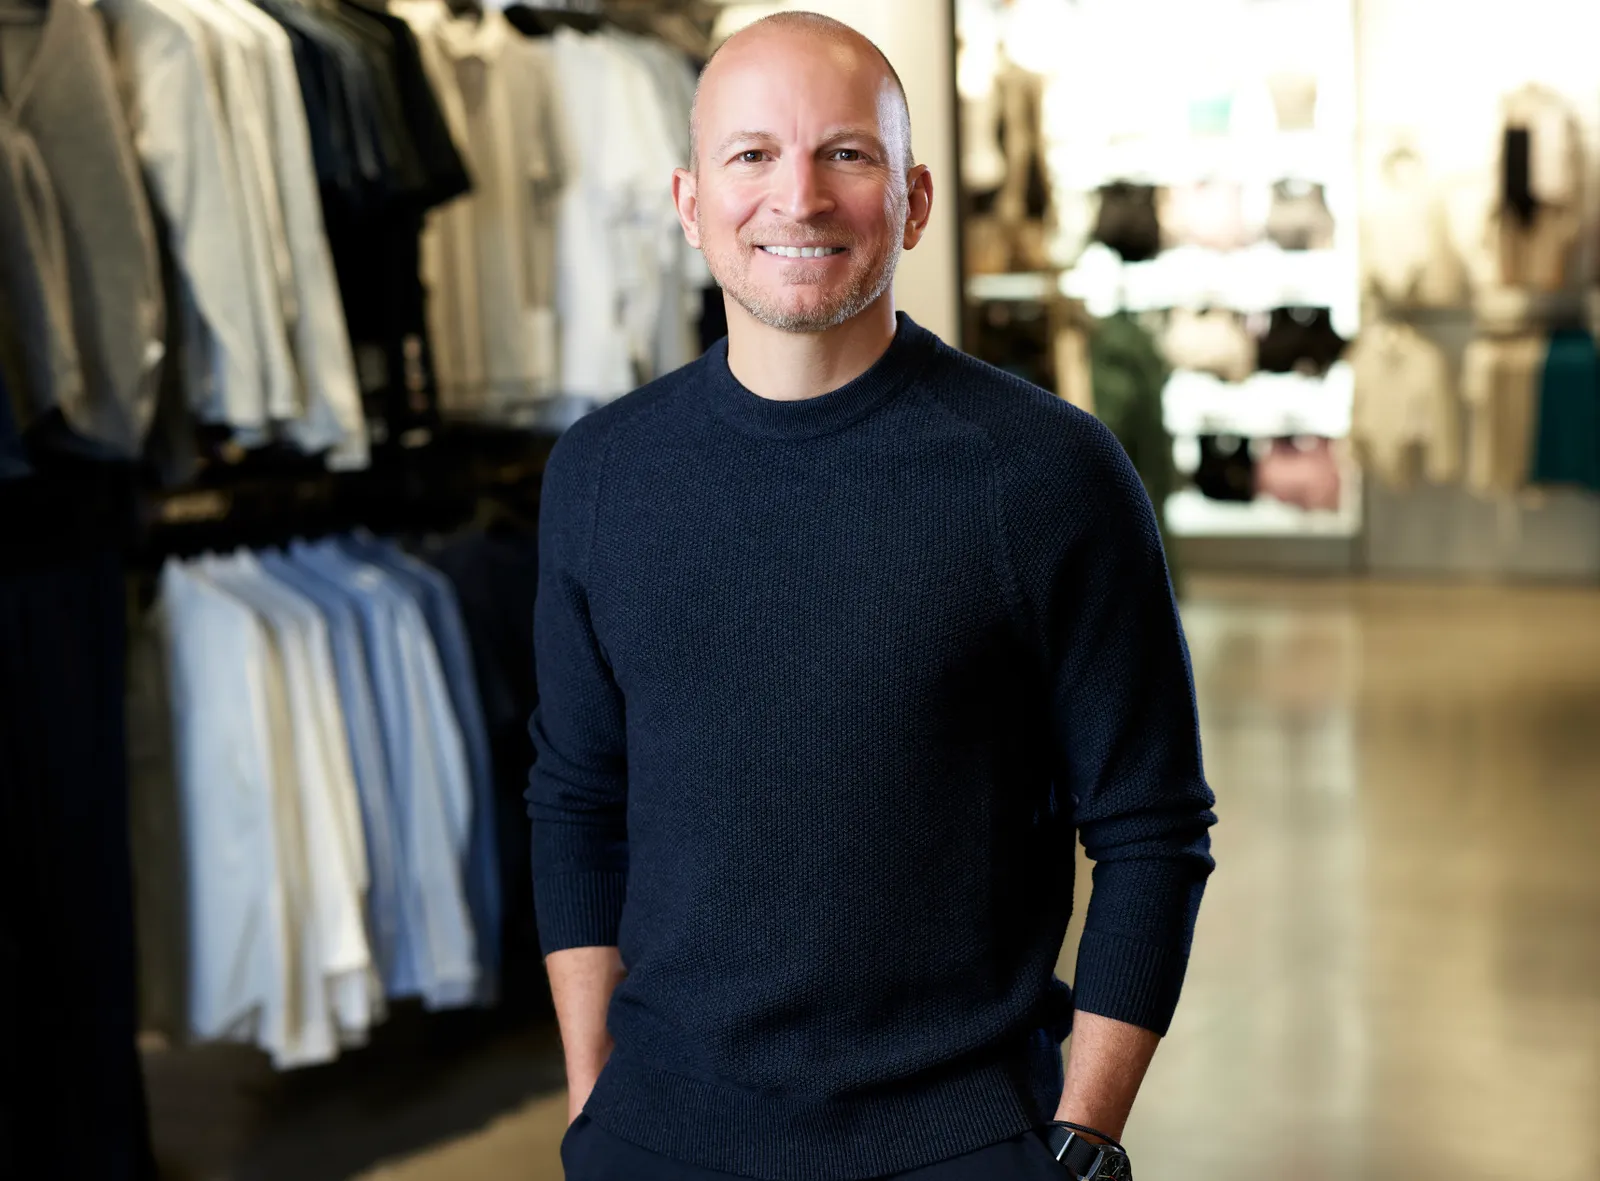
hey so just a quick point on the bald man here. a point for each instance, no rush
(843, 638)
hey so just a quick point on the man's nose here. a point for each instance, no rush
(802, 190)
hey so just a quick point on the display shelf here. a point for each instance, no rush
(1255, 279)
(1190, 514)
(1264, 405)
(1316, 156)
(1018, 287)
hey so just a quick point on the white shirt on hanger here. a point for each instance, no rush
(224, 756)
(333, 418)
(181, 136)
(333, 934)
(228, 46)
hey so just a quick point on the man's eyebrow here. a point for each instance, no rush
(738, 136)
(833, 137)
(861, 133)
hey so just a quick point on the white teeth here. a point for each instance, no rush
(803, 251)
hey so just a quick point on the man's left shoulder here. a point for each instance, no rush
(1027, 425)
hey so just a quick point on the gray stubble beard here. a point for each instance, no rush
(861, 293)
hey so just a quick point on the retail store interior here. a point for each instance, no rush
(296, 296)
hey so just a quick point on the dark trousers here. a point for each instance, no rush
(590, 1153)
(71, 1092)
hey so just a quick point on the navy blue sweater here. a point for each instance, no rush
(827, 688)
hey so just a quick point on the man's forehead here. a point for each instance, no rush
(756, 82)
(757, 75)
(777, 57)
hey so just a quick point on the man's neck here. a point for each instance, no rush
(790, 366)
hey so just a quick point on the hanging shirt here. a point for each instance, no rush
(1406, 250)
(488, 256)
(437, 598)
(181, 135)
(331, 929)
(1406, 407)
(592, 241)
(246, 155)
(58, 86)
(332, 418)
(684, 274)
(1499, 385)
(227, 761)
(359, 711)
(428, 771)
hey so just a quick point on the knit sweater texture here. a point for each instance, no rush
(828, 688)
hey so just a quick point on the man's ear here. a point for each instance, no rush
(919, 197)
(685, 195)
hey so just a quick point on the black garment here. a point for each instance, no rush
(496, 576)
(71, 1091)
(827, 689)
(532, 21)
(590, 1153)
(1516, 182)
(13, 460)
(1127, 221)
(383, 160)
(1227, 469)
(1300, 340)
(170, 448)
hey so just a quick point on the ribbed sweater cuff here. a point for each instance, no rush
(1129, 981)
(579, 909)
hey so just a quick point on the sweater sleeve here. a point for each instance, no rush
(1125, 736)
(577, 791)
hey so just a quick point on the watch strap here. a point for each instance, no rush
(1081, 1156)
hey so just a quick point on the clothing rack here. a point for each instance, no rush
(272, 497)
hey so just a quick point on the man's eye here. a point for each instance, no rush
(849, 155)
(751, 156)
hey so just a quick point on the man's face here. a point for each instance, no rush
(802, 147)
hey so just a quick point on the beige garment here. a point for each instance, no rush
(1021, 96)
(983, 162)
(488, 257)
(1074, 379)
(175, 110)
(1212, 341)
(1299, 218)
(1405, 239)
(1500, 389)
(1294, 100)
(229, 49)
(1406, 417)
(1539, 254)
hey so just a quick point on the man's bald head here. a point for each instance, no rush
(797, 24)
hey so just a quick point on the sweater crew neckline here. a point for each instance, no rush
(808, 417)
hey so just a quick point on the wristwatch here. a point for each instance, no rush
(1084, 1159)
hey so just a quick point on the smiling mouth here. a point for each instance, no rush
(802, 251)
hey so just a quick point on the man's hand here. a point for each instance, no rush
(1106, 1062)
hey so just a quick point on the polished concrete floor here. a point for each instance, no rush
(1397, 971)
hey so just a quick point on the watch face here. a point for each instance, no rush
(1114, 1167)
